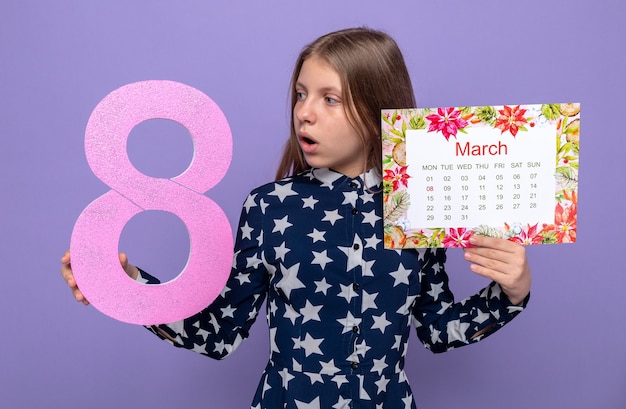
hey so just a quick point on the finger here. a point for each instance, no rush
(68, 276)
(492, 242)
(487, 266)
(79, 296)
(485, 255)
(498, 249)
(66, 257)
(123, 260)
(497, 265)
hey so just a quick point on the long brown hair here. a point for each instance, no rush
(373, 76)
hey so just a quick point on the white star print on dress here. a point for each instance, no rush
(339, 306)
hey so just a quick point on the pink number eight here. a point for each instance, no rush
(95, 239)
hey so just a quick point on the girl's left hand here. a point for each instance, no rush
(502, 261)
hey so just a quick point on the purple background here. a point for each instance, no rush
(58, 59)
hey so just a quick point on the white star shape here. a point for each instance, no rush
(342, 403)
(340, 380)
(281, 225)
(380, 322)
(321, 259)
(381, 385)
(322, 286)
(291, 314)
(370, 217)
(203, 333)
(407, 400)
(435, 290)
(311, 345)
(367, 269)
(434, 335)
(263, 205)
(496, 291)
(400, 276)
(481, 316)
(281, 251)
(314, 377)
(406, 307)
(282, 191)
(273, 307)
(295, 365)
(331, 216)
(249, 203)
(309, 202)
(252, 314)
(350, 198)
(346, 292)
(219, 347)
(421, 253)
(348, 322)
(329, 368)
(290, 280)
(224, 291)
(314, 404)
(354, 256)
(297, 342)
(228, 311)
(398, 343)
(243, 278)
(368, 301)
(372, 242)
(286, 377)
(456, 330)
(310, 312)
(266, 387)
(273, 345)
(444, 307)
(367, 197)
(246, 231)
(379, 365)
(253, 261)
(362, 348)
(362, 392)
(317, 235)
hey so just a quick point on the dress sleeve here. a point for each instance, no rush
(443, 324)
(220, 328)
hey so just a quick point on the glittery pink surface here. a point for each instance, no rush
(94, 242)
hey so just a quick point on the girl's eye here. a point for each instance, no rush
(300, 95)
(331, 100)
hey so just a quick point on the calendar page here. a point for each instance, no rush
(506, 171)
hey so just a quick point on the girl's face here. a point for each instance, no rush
(326, 137)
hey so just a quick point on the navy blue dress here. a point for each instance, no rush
(339, 305)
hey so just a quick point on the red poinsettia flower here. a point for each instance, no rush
(446, 120)
(458, 238)
(397, 178)
(528, 236)
(565, 224)
(565, 219)
(511, 119)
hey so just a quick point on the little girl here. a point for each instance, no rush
(339, 305)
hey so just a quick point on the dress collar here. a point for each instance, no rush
(329, 177)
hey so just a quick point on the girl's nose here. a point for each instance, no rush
(304, 111)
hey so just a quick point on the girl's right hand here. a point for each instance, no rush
(68, 275)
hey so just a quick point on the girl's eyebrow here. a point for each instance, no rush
(323, 89)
